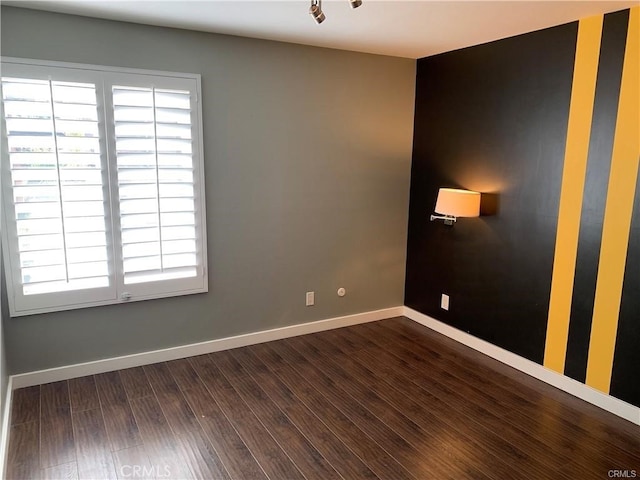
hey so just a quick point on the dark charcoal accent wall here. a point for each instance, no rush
(614, 37)
(491, 118)
(626, 361)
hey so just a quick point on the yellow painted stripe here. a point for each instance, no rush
(575, 166)
(617, 215)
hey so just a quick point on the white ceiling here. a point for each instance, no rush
(401, 28)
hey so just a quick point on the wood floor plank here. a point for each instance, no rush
(533, 419)
(193, 445)
(133, 463)
(121, 426)
(338, 453)
(251, 363)
(159, 440)
(505, 440)
(234, 454)
(135, 382)
(368, 422)
(308, 460)
(232, 367)
(538, 433)
(619, 431)
(54, 400)
(56, 429)
(270, 357)
(25, 406)
(273, 460)
(407, 458)
(57, 441)
(92, 446)
(23, 459)
(345, 422)
(381, 400)
(24, 472)
(83, 394)
(494, 377)
(66, 471)
(161, 380)
(453, 457)
(432, 413)
(184, 374)
(110, 388)
(349, 342)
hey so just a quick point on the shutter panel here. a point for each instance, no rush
(155, 168)
(57, 183)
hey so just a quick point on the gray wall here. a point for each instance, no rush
(307, 159)
(4, 371)
(4, 375)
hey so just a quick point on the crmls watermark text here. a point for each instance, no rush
(622, 474)
(145, 471)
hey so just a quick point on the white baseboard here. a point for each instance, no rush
(145, 358)
(4, 430)
(569, 385)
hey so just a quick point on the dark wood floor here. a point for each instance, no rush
(388, 400)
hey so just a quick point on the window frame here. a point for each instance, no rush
(104, 77)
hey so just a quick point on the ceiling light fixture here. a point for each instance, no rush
(316, 11)
(318, 15)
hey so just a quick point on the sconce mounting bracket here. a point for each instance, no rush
(448, 219)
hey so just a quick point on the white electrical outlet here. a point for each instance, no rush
(311, 299)
(444, 302)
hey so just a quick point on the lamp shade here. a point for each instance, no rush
(458, 203)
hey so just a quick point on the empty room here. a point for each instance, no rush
(309, 239)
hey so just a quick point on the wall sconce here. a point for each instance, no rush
(453, 202)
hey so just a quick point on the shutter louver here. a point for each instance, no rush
(57, 183)
(153, 138)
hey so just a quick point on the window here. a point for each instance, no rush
(103, 185)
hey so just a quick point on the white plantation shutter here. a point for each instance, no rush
(102, 184)
(57, 184)
(156, 183)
